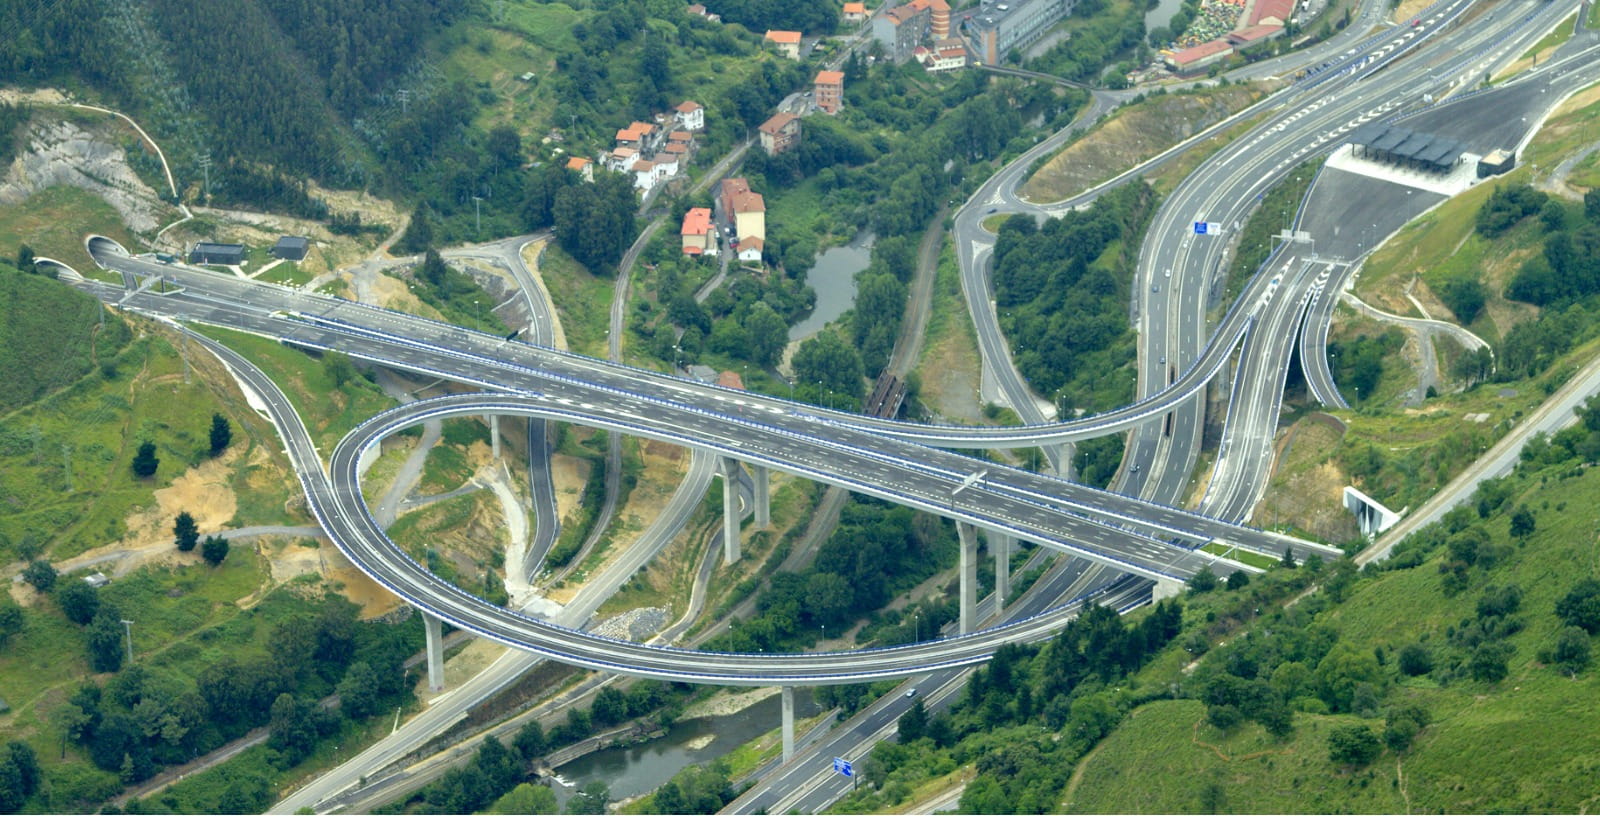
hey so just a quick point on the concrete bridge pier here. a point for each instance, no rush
(1001, 544)
(431, 626)
(494, 434)
(763, 495)
(730, 510)
(1166, 588)
(788, 723)
(969, 574)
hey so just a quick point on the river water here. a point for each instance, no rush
(834, 279)
(1161, 14)
(639, 769)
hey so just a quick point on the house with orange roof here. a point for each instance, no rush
(855, 12)
(1197, 58)
(787, 42)
(582, 166)
(829, 89)
(779, 133)
(745, 210)
(699, 236)
(690, 115)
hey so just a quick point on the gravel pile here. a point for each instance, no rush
(634, 625)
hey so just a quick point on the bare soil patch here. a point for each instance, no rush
(1132, 136)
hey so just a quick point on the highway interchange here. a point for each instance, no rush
(1289, 302)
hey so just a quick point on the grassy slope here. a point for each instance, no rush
(1519, 745)
(54, 222)
(1131, 135)
(328, 411)
(50, 336)
(583, 301)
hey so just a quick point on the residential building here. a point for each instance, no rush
(745, 211)
(699, 10)
(681, 137)
(1197, 58)
(1253, 35)
(676, 151)
(787, 43)
(621, 158)
(1269, 12)
(949, 54)
(644, 174)
(630, 136)
(855, 12)
(939, 20)
(691, 116)
(291, 248)
(750, 249)
(901, 29)
(998, 28)
(582, 166)
(219, 254)
(829, 89)
(779, 133)
(699, 236)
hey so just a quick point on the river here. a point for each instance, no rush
(1161, 14)
(639, 769)
(834, 279)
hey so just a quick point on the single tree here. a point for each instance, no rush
(78, 601)
(25, 259)
(1238, 580)
(1522, 523)
(1580, 607)
(40, 574)
(591, 798)
(221, 434)
(1571, 653)
(145, 461)
(1288, 559)
(1353, 745)
(11, 619)
(185, 533)
(214, 549)
(1203, 581)
(913, 723)
(105, 641)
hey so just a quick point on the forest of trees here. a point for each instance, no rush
(148, 715)
(1063, 301)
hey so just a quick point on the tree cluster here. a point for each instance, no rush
(1358, 363)
(149, 716)
(876, 551)
(1062, 293)
(1568, 269)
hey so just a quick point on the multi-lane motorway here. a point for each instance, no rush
(1131, 535)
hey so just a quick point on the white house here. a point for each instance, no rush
(691, 116)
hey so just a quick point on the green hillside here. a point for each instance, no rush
(1520, 743)
(50, 336)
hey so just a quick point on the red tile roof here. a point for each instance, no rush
(1276, 9)
(784, 37)
(830, 78)
(697, 221)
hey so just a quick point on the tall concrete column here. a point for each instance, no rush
(494, 434)
(969, 574)
(763, 493)
(730, 510)
(1001, 544)
(788, 723)
(430, 626)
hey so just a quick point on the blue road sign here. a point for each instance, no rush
(1200, 227)
(843, 766)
